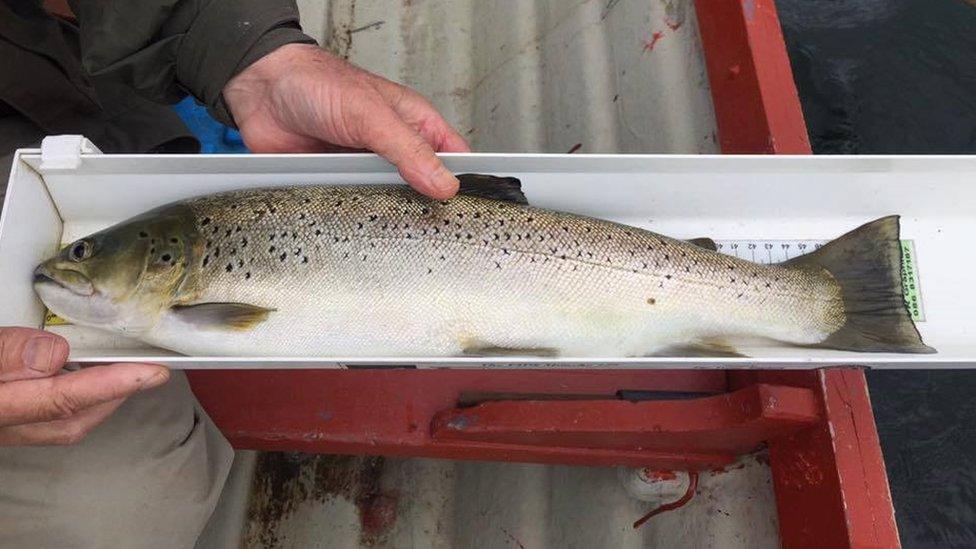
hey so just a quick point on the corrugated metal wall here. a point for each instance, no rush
(538, 75)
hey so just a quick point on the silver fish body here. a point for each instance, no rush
(383, 271)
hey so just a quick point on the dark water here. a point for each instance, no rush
(899, 76)
(885, 76)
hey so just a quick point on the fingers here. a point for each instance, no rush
(66, 396)
(26, 353)
(390, 137)
(61, 431)
(419, 113)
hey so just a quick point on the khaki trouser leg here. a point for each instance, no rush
(150, 476)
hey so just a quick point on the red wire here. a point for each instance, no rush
(690, 493)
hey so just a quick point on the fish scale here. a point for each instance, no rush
(381, 270)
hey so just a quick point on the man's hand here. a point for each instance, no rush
(38, 406)
(300, 98)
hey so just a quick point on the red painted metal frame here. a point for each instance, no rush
(828, 471)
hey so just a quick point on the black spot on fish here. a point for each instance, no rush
(228, 232)
(307, 200)
(731, 279)
(731, 267)
(373, 217)
(498, 265)
(460, 215)
(205, 222)
(447, 222)
(240, 262)
(247, 275)
(318, 232)
(425, 211)
(272, 209)
(667, 276)
(667, 257)
(304, 259)
(477, 215)
(272, 238)
(143, 234)
(294, 235)
(359, 225)
(444, 203)
(442, 258)
(244, 242)
(768, 285)
(364, 257)
(233, 206)
(298, 251)
(215, 229)
(562, 256)
(152, 251)
(229, 267)
(335, 239)
(166, 257)
(436, 230)
(739, 296)
(301, 217)
(687, 269)
(283, 256)
(468, 236)
(233, 251)
(338, 203)
(206, 260)
(429, 270)
(272, 249)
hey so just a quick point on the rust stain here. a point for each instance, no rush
(285, 481)
(660, 475)
(649, 44)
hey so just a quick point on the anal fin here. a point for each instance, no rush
(493, 351)
(710, 348)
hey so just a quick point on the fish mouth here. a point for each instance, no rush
(72, 281)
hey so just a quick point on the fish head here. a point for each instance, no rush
(122, 278)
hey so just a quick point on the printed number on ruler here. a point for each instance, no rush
(777, 251)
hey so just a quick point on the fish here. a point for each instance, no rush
(347, 271)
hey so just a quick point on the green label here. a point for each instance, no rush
(909, 281)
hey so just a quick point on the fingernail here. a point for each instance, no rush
(155, 380)
(38, 354)
(444, 181)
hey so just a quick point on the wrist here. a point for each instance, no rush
(254, 82)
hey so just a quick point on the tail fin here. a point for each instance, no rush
(866, 262)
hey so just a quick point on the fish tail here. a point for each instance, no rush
(866, 263)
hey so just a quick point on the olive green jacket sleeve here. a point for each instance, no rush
(165, 49)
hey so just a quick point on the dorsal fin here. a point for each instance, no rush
(704, 242)
(508, 189)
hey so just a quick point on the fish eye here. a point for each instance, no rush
(80, 251)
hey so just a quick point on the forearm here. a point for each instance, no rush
(165, 49)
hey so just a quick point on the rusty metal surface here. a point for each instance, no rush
(328, 501)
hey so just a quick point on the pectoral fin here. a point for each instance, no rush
(222, 316)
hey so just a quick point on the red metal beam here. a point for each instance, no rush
(756, 103)
(389, 412)
(730, 423)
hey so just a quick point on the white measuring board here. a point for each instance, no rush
(778, 251)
